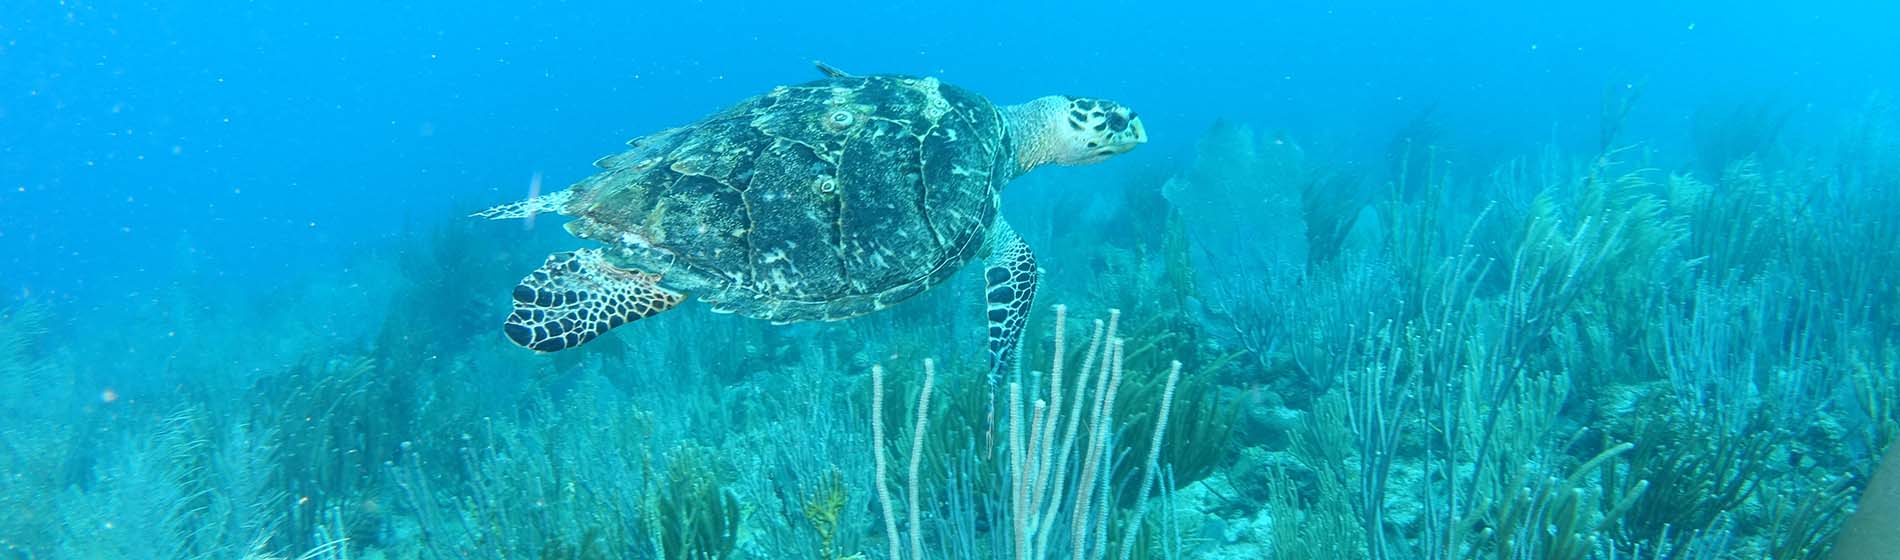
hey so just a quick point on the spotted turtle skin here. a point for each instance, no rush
(820, 201)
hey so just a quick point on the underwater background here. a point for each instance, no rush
(1488, 280)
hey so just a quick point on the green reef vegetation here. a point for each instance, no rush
(1265, 348)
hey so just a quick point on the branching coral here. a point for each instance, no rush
(1060, 448)
(690, 512)
(1697, 475)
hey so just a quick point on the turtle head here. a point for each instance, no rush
(1072, 130)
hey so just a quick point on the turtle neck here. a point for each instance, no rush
(1032, 129)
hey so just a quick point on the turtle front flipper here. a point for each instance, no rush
(576, 296)
(1009, 276)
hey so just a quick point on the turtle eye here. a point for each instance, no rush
(1117, 122)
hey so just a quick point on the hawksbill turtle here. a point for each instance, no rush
(820, 201)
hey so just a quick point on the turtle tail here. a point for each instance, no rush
(576, 296)
(552, 202)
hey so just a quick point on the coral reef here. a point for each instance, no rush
(1563, 355)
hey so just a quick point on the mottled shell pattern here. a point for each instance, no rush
(825, 200)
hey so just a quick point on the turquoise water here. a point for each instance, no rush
(1476, 281)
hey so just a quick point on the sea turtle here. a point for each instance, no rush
(820, 201)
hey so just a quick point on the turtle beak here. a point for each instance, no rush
(1128, 135)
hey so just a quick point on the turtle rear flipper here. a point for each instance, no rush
(551, 203)
(830, 71)
(576, 296)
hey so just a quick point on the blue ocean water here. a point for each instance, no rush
(246, 313)
(241, 126)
